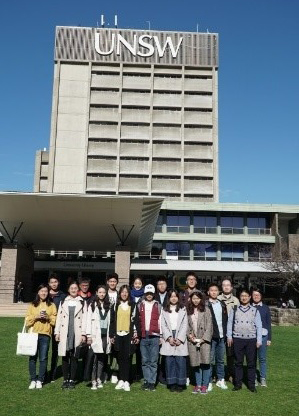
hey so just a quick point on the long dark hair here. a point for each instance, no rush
(97, 302)
(121, 289)
(201, 307)
(178, 306)
(37, 299)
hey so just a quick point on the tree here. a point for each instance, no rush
(283, 268)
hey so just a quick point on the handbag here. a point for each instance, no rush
(27, 342)
(81, 350)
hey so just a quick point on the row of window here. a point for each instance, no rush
(208, 223)
(208, 251)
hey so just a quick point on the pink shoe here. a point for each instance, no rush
(196, 390)
(203, 390)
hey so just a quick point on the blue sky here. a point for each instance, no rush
(258, 84)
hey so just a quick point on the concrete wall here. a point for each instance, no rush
(284, 317)
(17, 265)
(69, 127)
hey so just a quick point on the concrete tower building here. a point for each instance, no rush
(134, 113)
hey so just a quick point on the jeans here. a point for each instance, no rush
(43, 344)
(149, 348)
(262, 357)
(175, 370)
(202, 375)
(217, 356)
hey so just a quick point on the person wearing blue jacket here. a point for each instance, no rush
(244, 332)
(257, 301)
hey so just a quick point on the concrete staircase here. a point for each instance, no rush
(13, 309)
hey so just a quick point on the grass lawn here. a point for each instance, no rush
(280, 398)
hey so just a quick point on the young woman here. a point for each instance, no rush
(40, 317)
(137, 293)
(200, 336)
(97, 332)
(70, 331)
(174, 326)
(124, 331)
(257, 301)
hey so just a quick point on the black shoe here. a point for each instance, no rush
(236, 388)
(173, 388)
(65, 384)
(179, 389)
(151, 387)
(252, 389)
(71, 384)
(145, 386)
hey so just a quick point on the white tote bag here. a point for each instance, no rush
(27, 342)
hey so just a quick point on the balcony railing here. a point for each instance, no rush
(259, 231)
(232, 230)
(205, 230)
(178, 229)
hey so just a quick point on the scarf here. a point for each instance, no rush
(136, 293)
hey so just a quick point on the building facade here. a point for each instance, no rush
(134, 113)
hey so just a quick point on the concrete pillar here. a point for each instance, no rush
(17, 265)
(122, 265)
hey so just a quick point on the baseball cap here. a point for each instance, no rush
(149, 289)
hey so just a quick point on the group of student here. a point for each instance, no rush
(175, 336)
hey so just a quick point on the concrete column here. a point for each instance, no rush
(17, 265)
(122, 265)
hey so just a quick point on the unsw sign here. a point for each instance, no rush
(144, 45)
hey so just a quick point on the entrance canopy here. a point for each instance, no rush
(78, 222)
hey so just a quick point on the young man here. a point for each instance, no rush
(244, 332)
(161, 294)
(191, 281)
(219, 317)
(149, 315)
(112, 282)
(230, 301)
(57, 296)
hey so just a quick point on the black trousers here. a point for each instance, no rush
(124, 358)
(69, 366)
(247, 348)
(54, 358)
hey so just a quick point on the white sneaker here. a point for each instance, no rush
(114, 379)
(99, 384)
(93, 385)
(120, 385)
(221, 384)
(32, 385)
(263, 382)
(210, 387)
(127, 386)
(38, 384)
(187, 381)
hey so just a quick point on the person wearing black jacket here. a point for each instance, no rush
(124, 333)
(57, 296)
(219, 318)
(161, 295)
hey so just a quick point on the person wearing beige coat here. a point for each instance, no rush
(200, 336)
(70, 332)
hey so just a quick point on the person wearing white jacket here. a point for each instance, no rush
(70, 331)
(174, 326)
(97, 332)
